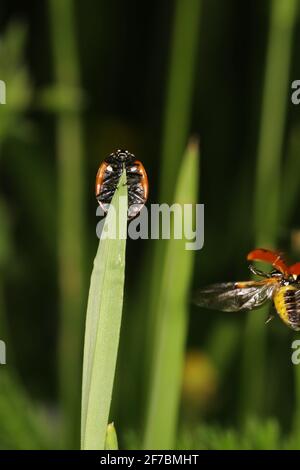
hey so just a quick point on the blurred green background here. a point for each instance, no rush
(82, 79)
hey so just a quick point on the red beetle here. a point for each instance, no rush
(282, 286)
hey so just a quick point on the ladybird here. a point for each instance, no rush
(282, 286)
(108, 177)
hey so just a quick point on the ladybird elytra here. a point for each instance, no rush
(109, 174)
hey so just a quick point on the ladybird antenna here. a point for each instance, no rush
(269, 319)
(258, 272)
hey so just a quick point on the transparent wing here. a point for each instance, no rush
(235, 296)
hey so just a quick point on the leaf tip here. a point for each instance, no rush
(193, 144)
(111, 441)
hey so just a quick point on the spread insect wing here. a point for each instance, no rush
(235, 296)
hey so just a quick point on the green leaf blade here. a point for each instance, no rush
(103, 323)
(173, 318)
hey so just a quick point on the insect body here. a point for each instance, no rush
(108, 177)
(282, 286)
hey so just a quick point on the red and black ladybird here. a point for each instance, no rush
(281, 285)
(108, 177)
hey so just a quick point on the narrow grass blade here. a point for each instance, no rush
(172, 313)
(103, 323)
(291, 189)
(177, 115)
(296, 414)
(275, 97)
(179, 91)
(267, 191)
(22, 426)
(291, 178)
(16, 77)
(71, 219)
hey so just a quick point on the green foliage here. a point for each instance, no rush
(179, 93)
(172, 313)
(103, 322)
(23, 425)
(268, 177)
(256, 436)
(250, 187)
(71, 217)
(15, 74)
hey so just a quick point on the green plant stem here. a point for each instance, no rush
(70, 215)
(169, 345)
(267, 190)
(296, 415)
(177, 115)
(180, 87)
(103, 322)
(291, 178)
(291, 192)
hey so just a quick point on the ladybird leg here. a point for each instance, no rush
(258, 272)
(269, 319)
(132, 180)
(108, 192)
(138, 199)
(105, 197)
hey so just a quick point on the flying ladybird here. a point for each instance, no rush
(108, 177)
(282, 286)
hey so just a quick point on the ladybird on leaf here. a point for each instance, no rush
(108, 177)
